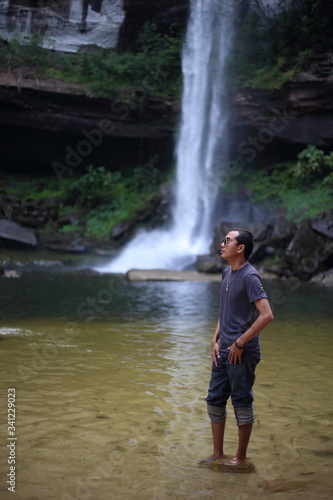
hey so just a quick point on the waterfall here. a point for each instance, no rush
(201, 149)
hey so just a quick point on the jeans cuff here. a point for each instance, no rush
(216, 414)
(244, 416)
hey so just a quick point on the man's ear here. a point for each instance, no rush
(241, 248)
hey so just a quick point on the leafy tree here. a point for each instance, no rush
(269, 51)
(313, 164)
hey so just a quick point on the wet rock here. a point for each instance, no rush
(283, 231)
(258, 230)
(84, 272)
(169, 275)
(7, 270)
(323, 224)
(31, 213)
(209, 264)
(244, 468)
(280, 270)
(311, 252)
(268, 238)
(13, 232)
(122, 227)
(48, 263)
(325, 278)
(102, 252)
(11, 274)
(67, 247)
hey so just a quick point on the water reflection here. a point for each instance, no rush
(117, 403)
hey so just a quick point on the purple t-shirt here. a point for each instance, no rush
(237, 309)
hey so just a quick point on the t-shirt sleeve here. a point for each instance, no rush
(254, 288)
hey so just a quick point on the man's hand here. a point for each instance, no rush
(235, 354)
(215, 353)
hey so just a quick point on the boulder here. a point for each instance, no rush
(311, 251)
(7, 270)
(267, 240)
(122, 227)
(169, 275)
(325, 278)
(258, 230)
(11, 274)
(210, 264)
(323, 224)
(13, 232)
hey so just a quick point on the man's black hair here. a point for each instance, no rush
(245, 238)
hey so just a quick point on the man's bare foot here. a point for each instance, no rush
(233, 465)
(234, 462)
(211, 458)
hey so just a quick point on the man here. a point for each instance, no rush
(244, 313)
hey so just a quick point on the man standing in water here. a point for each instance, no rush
(244, 313)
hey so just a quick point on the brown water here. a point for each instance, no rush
(110, 380)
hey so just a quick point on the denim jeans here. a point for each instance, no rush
(233, 380)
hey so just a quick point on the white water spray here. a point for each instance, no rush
(201, 150)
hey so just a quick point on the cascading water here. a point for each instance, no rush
(201, 150)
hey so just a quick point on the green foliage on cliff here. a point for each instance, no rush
(107, 198)
(22, 52)
(269, 51)
(90, 203)
(96, 186)
(300, 189)
(155, 69)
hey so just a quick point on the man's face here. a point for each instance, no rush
(229, 246)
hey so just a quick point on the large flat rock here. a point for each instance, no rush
(169, 275)
(12, 231)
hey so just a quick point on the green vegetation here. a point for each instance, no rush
(270, 51)
(155, 69)
(98, 199)
(302, 189)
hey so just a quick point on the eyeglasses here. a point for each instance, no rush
(226, 241)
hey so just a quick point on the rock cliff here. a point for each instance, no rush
(54, 123)
(273, 125)
(65, 25)
(48, 119)
(165, 14)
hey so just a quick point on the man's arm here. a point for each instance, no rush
(264, 318)
(215, 345)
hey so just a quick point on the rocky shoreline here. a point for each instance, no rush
(283, 250)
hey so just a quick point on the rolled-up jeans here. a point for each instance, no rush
(235, 381)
